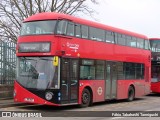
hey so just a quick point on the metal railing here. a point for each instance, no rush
(7, 63)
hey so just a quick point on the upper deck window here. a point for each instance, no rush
(65, 28)
(70, 29)
(38, 27)
(109, 37)
(84, 30)
(96, 34)
(131, 41)
(77, 30)
(121, 40)
(146, 44)
(140, 43)
(62, 27)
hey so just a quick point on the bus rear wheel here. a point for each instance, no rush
(131, 94)
(85, 98)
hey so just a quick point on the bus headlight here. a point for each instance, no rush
(49, 95)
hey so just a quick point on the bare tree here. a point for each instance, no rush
(13, 12)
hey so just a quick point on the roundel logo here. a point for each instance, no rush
(99, 90)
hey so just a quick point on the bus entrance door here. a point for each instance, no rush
(69, 81)
(111, 80)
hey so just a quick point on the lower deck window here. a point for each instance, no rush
(97, 69)
(87, 72)
(129, 70)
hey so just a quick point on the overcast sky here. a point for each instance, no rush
(141, 16)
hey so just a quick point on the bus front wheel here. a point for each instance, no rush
(85, 98)
(131, 94)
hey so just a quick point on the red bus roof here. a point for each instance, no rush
(54, 16)
(154, 38)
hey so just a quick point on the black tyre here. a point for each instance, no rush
(131, 94)
(85, 98)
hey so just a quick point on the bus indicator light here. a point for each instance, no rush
(55, 61)
(59, 98)
(78, 55)
(59, 94)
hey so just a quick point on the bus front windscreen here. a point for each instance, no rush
(38, 27)
(37, 73)
(155, 45)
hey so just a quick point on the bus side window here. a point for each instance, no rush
(140, 43)
(139, 71)
(77, 30)
(121, 39)
(133, 70)
(128, 40)
(120, 71)
(116, 37)
(87, 69)
(70, 29)
(62, 27)
(92, 33)
(84, 31)
(131, 41)
(100, 35)
(109, 37)
(87, 72)
(96, 34)
(146, 44)
(100, 69)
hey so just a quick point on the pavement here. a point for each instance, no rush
(9, 102)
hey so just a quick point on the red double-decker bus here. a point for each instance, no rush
(155, 64)
(64, 60)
